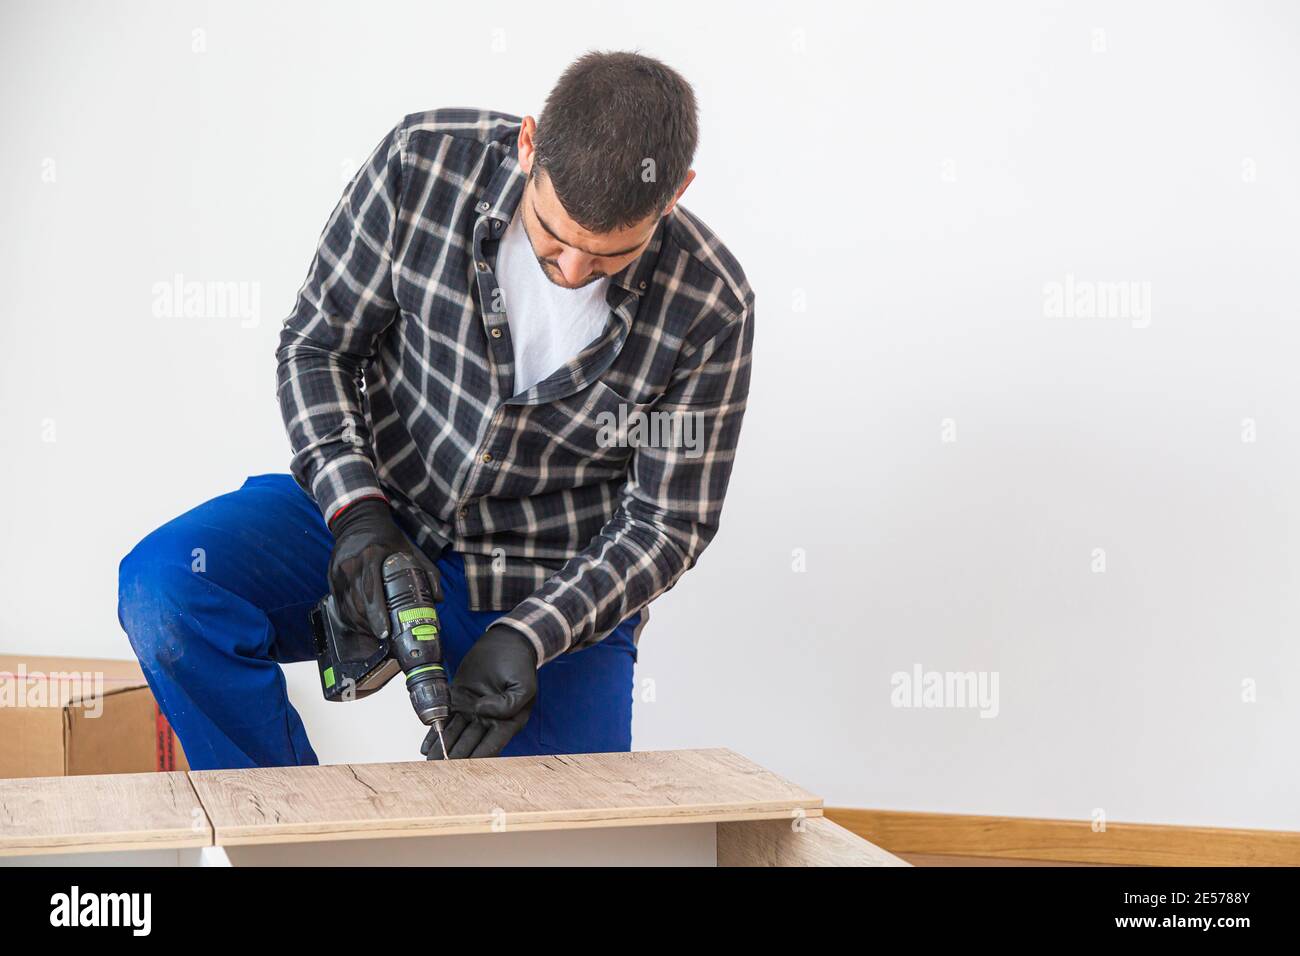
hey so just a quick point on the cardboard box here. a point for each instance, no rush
(62, 716)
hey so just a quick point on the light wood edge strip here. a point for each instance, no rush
(483, 823)
(1069, 841)
(117, 840)
(132, 840)
(939, 859)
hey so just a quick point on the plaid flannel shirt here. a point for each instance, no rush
(396, 375)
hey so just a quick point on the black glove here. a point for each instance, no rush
(491, 697)
(364, 536)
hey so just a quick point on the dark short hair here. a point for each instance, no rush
(616, 136)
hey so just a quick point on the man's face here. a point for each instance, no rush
(571, 256)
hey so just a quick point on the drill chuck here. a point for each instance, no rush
(428, 689)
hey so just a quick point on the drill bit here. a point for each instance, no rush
(437, 725)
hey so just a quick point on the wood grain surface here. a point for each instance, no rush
(808, 842)
(129, 811)
(361, 801)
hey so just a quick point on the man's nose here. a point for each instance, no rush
(575, 265)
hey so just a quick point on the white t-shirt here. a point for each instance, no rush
(549, 324)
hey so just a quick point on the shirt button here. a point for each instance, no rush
(487, 457)
(461, 514)
(483, 207)
(481, 265)
(642, 285)
(496, 333)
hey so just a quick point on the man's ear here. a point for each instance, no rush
(690, 175)
(526, 149)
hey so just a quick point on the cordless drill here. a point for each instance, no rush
(355, 664)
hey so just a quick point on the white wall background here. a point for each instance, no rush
(900, 180)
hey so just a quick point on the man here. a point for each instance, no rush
(488, 297)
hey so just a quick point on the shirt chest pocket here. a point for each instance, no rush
(591, 425)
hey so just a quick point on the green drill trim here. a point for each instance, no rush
(329, 677)
(421, 670)
(417, 614)
(425, 632)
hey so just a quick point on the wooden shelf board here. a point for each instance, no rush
(582, 791)
(40, 815)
